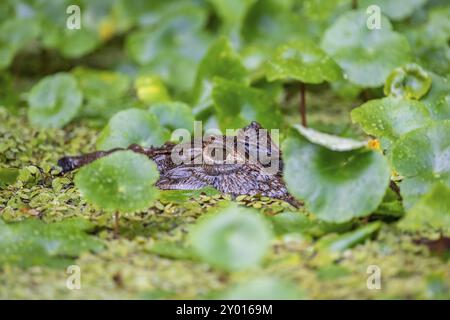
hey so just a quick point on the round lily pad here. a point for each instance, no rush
(410, 81)
(54, 101)
(366, 56)
(233, 239)
(122, 181)
(302, 61)
(336, 185)
(422, 158)
(132, 126)
(389, 118)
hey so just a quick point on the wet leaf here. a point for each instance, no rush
(422, 158)
(303, 61)
(366, 56)
(123, 181)
(410, 81)
(336, 185)
(389, 118)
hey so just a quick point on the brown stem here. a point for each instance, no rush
(116, 225)
(354, 4)
(303, 104)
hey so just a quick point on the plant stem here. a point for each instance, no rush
(303, 104)
(116, 224)
(354, 4)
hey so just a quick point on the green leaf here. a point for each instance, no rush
(431, 211)
(233, 239)
(178, 196)
(396, 10)
(389, 118)
(174, 115)
(302, 61)
(329, 141)
(34, 243)
(232, 14)
(366, 56)
(410, 81)
(336, 185)
(263, 288)
(437, 99)
(8, 176)
(151, 89)
(14, 35)
(101, 83)
(220, 61)
(421, 157)
(54, 101)
(295, 222)
(349, 239)
(177, 38)
(132, 126)
(237, 105)
(122, 181)
(105, 93)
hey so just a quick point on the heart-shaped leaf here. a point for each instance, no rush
(336, 185)
(302, 61)
(422, 157)
(233, 239)
(132, 126)
(54, 101)
(34, 243)
(366, 56)
(122, 181)
(410, 81)
(389, 118)
(237, 105)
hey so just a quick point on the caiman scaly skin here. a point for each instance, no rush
(235, 175)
